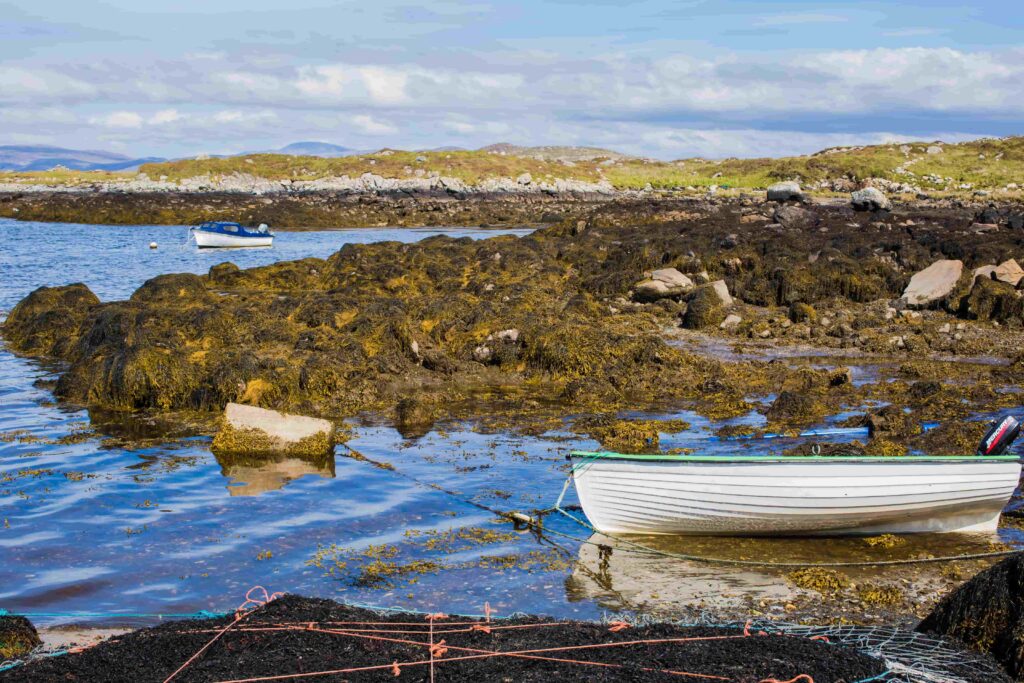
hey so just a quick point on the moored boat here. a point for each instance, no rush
(228, 234)
(796, 495)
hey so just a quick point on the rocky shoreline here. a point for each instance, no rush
(589, 312)
(298, 210)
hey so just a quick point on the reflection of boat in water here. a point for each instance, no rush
(646, 572)
(623, 578)
(777, 495)
(225, 234)
(251, 476)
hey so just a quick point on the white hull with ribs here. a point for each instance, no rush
(214, 239)
(793, 496)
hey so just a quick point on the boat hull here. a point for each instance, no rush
(794, 496)
(212, 239)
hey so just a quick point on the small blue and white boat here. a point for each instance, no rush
(226, 234)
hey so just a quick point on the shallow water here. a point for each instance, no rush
(93, 523)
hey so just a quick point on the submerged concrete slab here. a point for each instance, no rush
(259, 430)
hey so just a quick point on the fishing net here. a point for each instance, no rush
(906, 656)
(910, 656)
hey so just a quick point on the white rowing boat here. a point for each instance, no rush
(225, 234)
(769, 495)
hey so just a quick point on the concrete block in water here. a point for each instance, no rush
(248, 429)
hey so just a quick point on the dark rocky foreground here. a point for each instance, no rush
(564, 317)
(297, 210)
(306, 645)
(987, 614)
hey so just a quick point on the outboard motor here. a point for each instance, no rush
(998, 439)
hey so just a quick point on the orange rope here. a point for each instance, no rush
(484, 654)
(438, 650)
(242, 612)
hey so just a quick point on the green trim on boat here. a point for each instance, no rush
(609, 455)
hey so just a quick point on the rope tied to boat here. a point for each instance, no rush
(640, 548)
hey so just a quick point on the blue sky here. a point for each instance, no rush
(663, 79)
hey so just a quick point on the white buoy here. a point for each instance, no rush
(152, 245)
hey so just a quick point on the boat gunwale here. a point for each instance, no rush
(589, 457)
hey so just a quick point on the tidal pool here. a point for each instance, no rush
(137, 517)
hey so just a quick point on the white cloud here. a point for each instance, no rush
(41, 84)
(118, 119)
(623, 99)
(371, 126)
(165, 116)
(353, 83)
(386, 86)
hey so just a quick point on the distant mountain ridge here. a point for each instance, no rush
(45, 157)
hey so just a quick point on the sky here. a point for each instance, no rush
(665, 79)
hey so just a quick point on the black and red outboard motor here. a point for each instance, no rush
(998, 439)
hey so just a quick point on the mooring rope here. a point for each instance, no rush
(639, 547)
(538, 526)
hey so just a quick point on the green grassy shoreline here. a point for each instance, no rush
(988, 164)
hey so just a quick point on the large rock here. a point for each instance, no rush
(987, 614)
(869, 199)
(722, 292)
(984, 272)
(18, 637)
(795, 406)
(662, 284)
(253, 430)
(1009, 272)
(795, 217)
(43, 323)
(785, 191)
(992, 300)
(933, 284)
(707, 306)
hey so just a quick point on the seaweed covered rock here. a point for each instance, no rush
(955, 437)
(891, 422)
(376, 323)
(796, 406)
(993, 300)
(18, 637)
(987, 614)
(631, 436)
(181, 288)
(44, 322)
(799, 312)
(706, 308)
(415, 416)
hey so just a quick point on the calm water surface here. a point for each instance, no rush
(90, 522)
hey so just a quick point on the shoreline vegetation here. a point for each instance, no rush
(599, 314)
(494, 186)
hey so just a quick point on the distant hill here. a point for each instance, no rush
(314, 149)
(43, 158)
